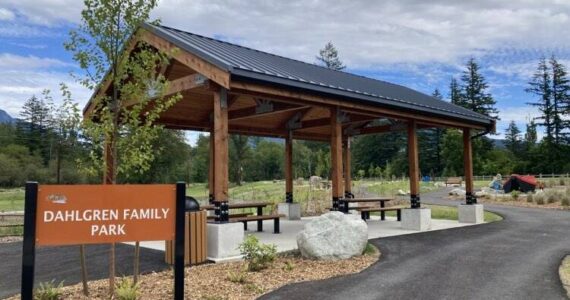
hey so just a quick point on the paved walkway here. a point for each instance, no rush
(517, 258)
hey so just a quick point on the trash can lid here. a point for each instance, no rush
(192, 204)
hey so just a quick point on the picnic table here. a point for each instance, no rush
(344, 203)
(247, 217)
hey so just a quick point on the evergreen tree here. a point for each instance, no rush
(474, 95)
(454, 92)
(34, 123)
(560, 100)
(531, 136)
(330, 58)
(512, 138)
(540, 85)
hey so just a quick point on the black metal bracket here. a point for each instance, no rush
(211, 198)
(289, 197)
(222, 211)
(348, 194)
(335, 203)
(470, 198)
(415, 201)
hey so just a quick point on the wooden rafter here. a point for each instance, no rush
(254, 111)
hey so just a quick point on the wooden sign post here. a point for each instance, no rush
(93, 214)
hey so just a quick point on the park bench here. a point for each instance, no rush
(240, 215)
(365, 212)
(259, 219)
(453, 180)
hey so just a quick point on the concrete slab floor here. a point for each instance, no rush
(287, 239)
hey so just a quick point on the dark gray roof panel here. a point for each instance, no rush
(257, 65)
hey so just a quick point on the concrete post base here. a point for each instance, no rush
(416, 219)
(292, 211)
(473, 213)
(223, 241)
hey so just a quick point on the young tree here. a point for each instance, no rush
(512, 138)
(330, 58)
(474, 95)
(122, 127)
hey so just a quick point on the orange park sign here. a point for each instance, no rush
(91, 214)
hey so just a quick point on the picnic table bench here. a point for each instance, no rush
(365, 212)
(249, 217)
(344, 204)
(453, 180)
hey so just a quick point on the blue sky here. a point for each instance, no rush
(410, 42)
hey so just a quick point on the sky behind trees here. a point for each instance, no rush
(414, 43)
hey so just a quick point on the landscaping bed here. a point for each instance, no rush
(232, 280)
(557, 197)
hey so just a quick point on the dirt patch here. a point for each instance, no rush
(212, 281)
(564, 272)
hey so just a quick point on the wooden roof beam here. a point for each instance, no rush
(179, 85)
(262, 108)
(348, 119)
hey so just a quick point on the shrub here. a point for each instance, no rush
(126, 290)
(562, 181)
(565, 200)
(48, 291)
(289, 266)
(258, 256)
(237, 277)
(515, 195)
(529, 197)
(539, 198)
(369, 249)
(552, 198)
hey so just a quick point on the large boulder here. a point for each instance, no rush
(333, 235)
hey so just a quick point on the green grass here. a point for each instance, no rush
(450, 213)
(11, 199)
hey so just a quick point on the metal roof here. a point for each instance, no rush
(251, 64)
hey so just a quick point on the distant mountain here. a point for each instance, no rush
(6, 118)
(499, 144)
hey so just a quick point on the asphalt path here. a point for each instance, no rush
(516, 258)
(62, 263)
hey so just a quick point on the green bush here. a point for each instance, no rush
(565, 200)
(529, 197)
(562, 181)
(539, 198)
(553, 197)
(258, 256)
(126, 290)
(289, 266)
(48, 291)
(515, 195)
(369, 249)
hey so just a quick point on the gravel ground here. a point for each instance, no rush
(62, 263)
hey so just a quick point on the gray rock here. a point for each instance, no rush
(333, 235)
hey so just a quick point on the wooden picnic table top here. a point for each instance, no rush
(372, 199)
(239, 205)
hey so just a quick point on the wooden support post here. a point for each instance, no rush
(413, 165)
(336, 160)
(221, 154)
(289, 168)
(211, 169)
(468, 167)
(347, 169)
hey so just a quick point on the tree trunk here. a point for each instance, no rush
(136, 263)
(83, 270)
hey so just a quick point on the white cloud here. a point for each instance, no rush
(6, 15)
(10, 61)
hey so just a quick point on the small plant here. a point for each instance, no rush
(369, 249)
(539, 198)
(529, 197)
(48, 291)
(565, 200)
(289, 266)
(237, 277)
(562, 182)
(515, 195)
(253, 288)
(126, 290)
(552, 198)
(258, 256)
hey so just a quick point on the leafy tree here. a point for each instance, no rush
(100, 46)
(330, 58)
(200, 159)
(474, 95)
(513, 138)
(239, 153)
